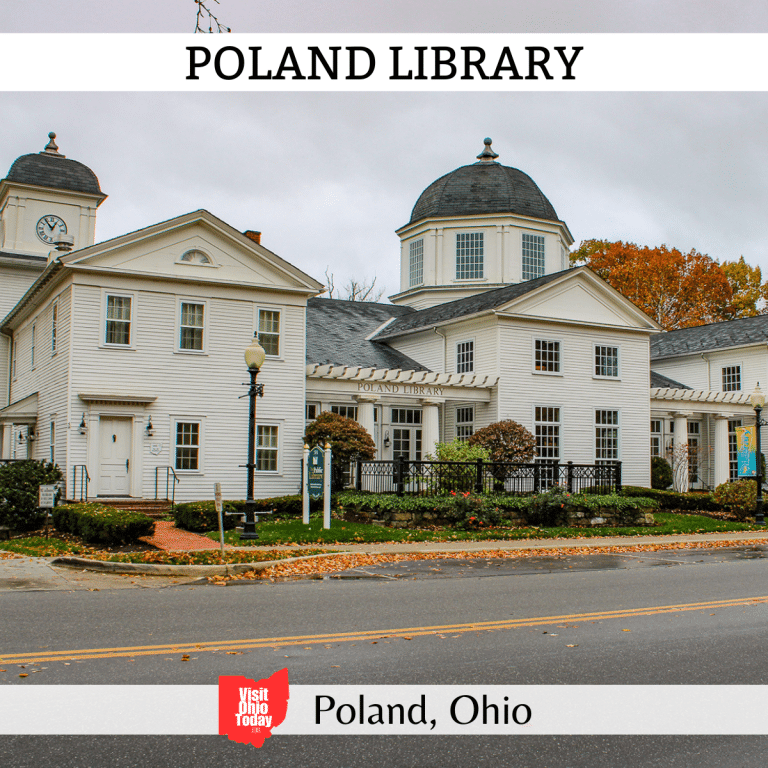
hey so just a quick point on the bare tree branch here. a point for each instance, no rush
(354, 290)
(203, 12)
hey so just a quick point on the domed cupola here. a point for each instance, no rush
(47, 195)
(478, 227)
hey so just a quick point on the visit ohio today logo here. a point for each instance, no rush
(250, 709)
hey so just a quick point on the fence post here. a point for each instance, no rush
(536, 477)
(618, 477)
(359, 476)
(570, 477)
(479, 477)
(556, 471)
(400, 475)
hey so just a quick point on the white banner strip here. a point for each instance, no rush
(384, 62)
(389, 710)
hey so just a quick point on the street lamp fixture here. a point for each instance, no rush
(757, 399)
(254, 359)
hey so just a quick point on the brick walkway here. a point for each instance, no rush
(168, 537)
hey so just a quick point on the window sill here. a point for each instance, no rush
(607, 378)
(104, 345)
(547, 373)
(192, 352)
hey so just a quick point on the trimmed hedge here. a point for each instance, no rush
(671, 500)
(99, 524)
(201, 516)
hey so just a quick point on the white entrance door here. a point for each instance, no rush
(114, 456)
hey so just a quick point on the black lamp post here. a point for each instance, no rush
(254, 359)
(757, 398)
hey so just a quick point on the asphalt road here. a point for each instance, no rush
(689, 617)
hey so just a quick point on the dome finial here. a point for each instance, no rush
(50, 147)
(487, 155)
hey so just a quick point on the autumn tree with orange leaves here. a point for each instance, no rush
(678, 290)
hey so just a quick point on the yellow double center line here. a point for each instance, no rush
(368, 634)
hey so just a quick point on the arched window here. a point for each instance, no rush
(196, 256)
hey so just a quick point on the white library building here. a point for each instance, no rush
(122, 361)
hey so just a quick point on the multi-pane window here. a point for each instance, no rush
(53, 442)
(118, 329)
(191, 326)
(656, 437)
(187, 445)
(266, 448)
(606, 435)
(546, 356)
(465, 357)
(54, 324)
(350, 411)
(469, 255)
(731, 378)
(269, 331)
(547, 426)
(406, 416)
(733, 450)
(14, 350)
(606, 361)
(694, 443)
(32, 349)
(465, 422)
(312, 409)
(416, 262)
(533, 256)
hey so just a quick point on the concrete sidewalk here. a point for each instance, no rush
(36, 573)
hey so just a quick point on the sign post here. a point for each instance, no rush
(305, 487)
(327, 487)
(217, 500)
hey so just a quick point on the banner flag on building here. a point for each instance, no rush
(746, 448)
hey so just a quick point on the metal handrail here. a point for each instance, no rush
(170, 494)
(85, 478)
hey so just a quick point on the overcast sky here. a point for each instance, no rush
(328, 177)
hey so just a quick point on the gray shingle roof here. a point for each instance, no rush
(336, 332)
(664, 382)
(470, 305)
(702, 338)
(45, 169)
(483, 188)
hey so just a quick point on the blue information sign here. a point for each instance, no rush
(315, 473)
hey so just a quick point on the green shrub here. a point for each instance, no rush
(99, 524)
(737, 498)
(201, 516)
(19, 486)
(661, 473)
(459, 450)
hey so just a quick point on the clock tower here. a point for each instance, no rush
(44, 196)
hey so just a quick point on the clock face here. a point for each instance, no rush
(50, 227)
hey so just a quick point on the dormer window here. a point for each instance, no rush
(196, 256)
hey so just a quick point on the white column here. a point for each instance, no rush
(430, 425)
(680, 451)
(365, 404)
(6, 443)
(722, 464)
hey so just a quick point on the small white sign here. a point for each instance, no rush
(155, 449)
(217, 496)
(47, 496)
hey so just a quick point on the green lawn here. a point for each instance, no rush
(293, 531)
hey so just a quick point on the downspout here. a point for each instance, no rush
(709, 371)
(445, 348)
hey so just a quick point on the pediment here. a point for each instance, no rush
(198, 249)
(582, 298)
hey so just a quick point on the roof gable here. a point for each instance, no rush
(533, 297)
(159, 251)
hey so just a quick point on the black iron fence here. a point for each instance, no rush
(431, 478)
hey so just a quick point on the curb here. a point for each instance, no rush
(177, 570)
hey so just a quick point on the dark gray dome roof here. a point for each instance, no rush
(51, 169)
(483, 187)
